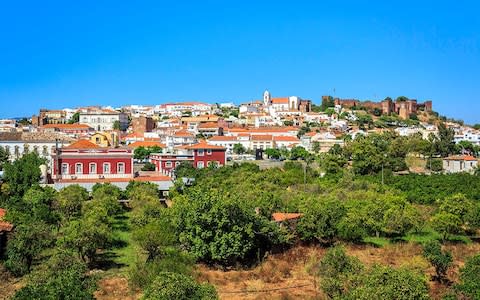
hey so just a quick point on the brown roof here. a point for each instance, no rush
(208, 125)
(4, 226)
(262, 137)
(286, 138)
(281, 100)
(280, 217)
(204, 145)
(66, 126)
(461, 157)
(82, 144)
(183, 133)
(146, 144)
(223, 138)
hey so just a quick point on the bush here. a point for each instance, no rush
(170, 285)
(148, 167)
(470, 278)
(432, 251)
(435, 164)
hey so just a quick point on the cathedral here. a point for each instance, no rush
(284, 104)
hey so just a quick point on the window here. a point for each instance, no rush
(121, 168)
(168, 164)
(200, 152)
(64, 169)
(78, 168)
(106, 168)
(177, 163)
(92, 168)
(45, 151)
(26, 148)
(200, 164)
(97, 140)
(209, 152)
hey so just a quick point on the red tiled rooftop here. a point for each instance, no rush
(281, 100)
(82, 144)
(67, 126)
(262, 137)
(461, 157)
(146, 144)
(204, 145)
(280, 217)
(286, 138)
(223, 138)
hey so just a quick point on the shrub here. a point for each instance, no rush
(432, 251)
(170, 285)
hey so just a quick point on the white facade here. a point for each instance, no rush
(103, 120)
(459, 164)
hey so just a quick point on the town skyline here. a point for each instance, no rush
(59, 55)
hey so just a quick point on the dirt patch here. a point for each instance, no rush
(114, 288)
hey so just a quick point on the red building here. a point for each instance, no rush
(86, 160)
(201, 155)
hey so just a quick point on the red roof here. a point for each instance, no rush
(208, 125)
(223, 138)
(67, 126)
(146, 144)
(461, 157)
(281, 100)
(82, 144)
(262, 137)
(4, 226)
(204, 145)
(280, 217)
(286, 138)
(183, 133)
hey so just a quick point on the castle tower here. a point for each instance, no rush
(267, 98)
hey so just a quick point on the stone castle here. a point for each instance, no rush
(403, 107)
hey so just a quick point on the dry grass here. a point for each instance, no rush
(296, 266)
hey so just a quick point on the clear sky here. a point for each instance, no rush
(57, 54)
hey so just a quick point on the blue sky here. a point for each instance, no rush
(57, 54)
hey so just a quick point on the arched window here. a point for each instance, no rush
(92, 168)
(106, 168)
(65, 168)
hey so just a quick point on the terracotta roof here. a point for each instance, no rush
(66, 126)
(82, 144)
(4, 226)
(204, 145)
(282, 100)
(146, 144)
(183, 133)
(262, 137)
(280, 217)
(208, 125)
(286, 138)
(461, 157)
(223, 138)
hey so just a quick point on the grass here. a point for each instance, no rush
(377, 241)
(124, 252)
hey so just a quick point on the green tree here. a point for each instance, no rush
(469, 284)
(69, 201)
(25, 245)
(441, 260)
(444, 143)
(116, 125)
(4, 156)
(61, 277)
(387, 283)
(298, 152)
(336, 271)
(22, 174)
(238, 149)
(320, 220)
(148, 167)
(273, 153)
(75, 118)
(154, 237)
(170, 285)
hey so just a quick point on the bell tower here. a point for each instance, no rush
(267, 98)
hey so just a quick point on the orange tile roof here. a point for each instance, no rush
(280, 217)
(208, 125)
(66, 126)
(461, 157)
(183, 133)
(4, 226)
(282, 100)
(223, 138)
(262, 137)
(82, 144)
(286, 138)
(146, 144)
(203, 145)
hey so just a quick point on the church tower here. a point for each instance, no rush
(267, 98)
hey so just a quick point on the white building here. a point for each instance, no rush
(460, 163)
(104, 119)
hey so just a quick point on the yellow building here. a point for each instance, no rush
(105, 139)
